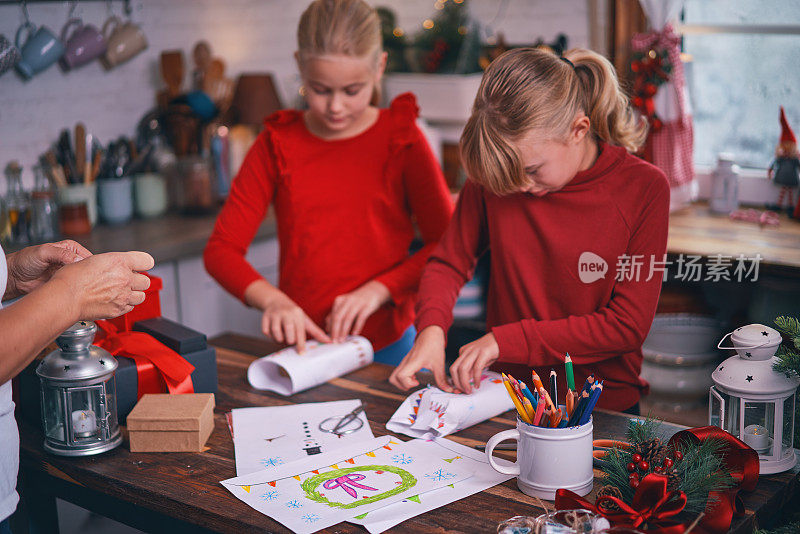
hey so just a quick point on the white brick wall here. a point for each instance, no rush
(250, 35)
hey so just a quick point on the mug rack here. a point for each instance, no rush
(126, 3)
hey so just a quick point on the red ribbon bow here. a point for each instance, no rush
(742, 463)
(156, 364)
(652, 506)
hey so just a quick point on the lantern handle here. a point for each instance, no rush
(721, 341)
(713, 391)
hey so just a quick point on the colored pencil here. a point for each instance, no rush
(515, 385)
(553, 385)
(528, 408)
(537, 381)
(570, 373)
(555, 418)
(570, 402)
(539, 413)
(543, 395)
(517, 404)
(588, 383)
(528, 394)
(587, 412)
(576, 412)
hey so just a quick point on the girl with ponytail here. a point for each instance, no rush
(576, 225)
(348, 181)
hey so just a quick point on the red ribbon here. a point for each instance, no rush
(157, 366)
(652, 507)
(742, 463)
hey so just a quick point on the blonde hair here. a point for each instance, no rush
(526, 89)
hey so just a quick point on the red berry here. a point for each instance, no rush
(634, 483)
(678, 455)
(643, 465)
(636, 458)
(633, 476)
(668, 462)
(631, 467)
(659, 469)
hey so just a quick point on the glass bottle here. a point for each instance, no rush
(44, 210)
(18, 205)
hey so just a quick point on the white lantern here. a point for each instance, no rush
(751, 401)
(79, 405)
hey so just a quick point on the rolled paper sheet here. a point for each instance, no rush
(286, 372)
(430, 412)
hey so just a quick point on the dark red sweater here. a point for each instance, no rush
(537, 307)
(344, 211)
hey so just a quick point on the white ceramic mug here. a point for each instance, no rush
(548, 459)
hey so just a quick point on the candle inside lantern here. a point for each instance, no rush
(84, 423)
(757, 437)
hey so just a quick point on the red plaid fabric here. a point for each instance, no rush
(671, 151)
(670, 148)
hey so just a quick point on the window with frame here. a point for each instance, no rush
(745, 65)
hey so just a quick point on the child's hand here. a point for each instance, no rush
(427, 352)
(351, 310)
(473, 358)
(286, 322)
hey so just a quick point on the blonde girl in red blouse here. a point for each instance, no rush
(347, 181)
(553, 187)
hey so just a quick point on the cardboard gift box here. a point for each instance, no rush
(171, 423)
(179, 338)
(204, 379)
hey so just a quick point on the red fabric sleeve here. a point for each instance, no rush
(430, 203)
(621, 325)
(250, 195)
(453, 261)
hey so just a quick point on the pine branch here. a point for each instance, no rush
(791, 327)
(701, 472)
(787, 361)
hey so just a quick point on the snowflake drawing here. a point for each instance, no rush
(402, 459)
(294, 504)
(439, 475)
(270, 495)
(272, 461)
(310, 518)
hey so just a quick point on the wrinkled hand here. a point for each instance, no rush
(351, 310)
(473, 358)
(31, 267)
(106, 285)
(427, 352)
(286, 322)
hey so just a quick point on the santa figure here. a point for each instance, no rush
(785, 169)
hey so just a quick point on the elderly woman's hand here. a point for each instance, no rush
(33, 266)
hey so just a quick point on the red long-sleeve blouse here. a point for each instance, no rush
(345, 213)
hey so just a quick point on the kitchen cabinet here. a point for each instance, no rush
(191, 297)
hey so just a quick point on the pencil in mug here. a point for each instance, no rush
(528, 408)
(587, 412)
(588, 384)
(570, 372)
(576, 412)
(570, 402)
(520, 410)
(553, 385)
(539, 412)
(543, 395)
(527, 393)
(537, 381)
(555, 418)
(515, 385)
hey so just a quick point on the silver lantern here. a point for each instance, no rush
(753, 402)
(79, 405)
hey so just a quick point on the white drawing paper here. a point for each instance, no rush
(267, 437)
(483, 477)
(322, 490)
(430, 412)
(286, 372)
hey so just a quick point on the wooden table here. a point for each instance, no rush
(694, 230)
(180, 492)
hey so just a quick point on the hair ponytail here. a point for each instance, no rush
(606, 105)
(526, 89)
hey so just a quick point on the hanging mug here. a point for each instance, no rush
(9, 54)
(124, 41)
(83, 45)
(40, 49)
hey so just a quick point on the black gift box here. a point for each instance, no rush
(179, 338)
